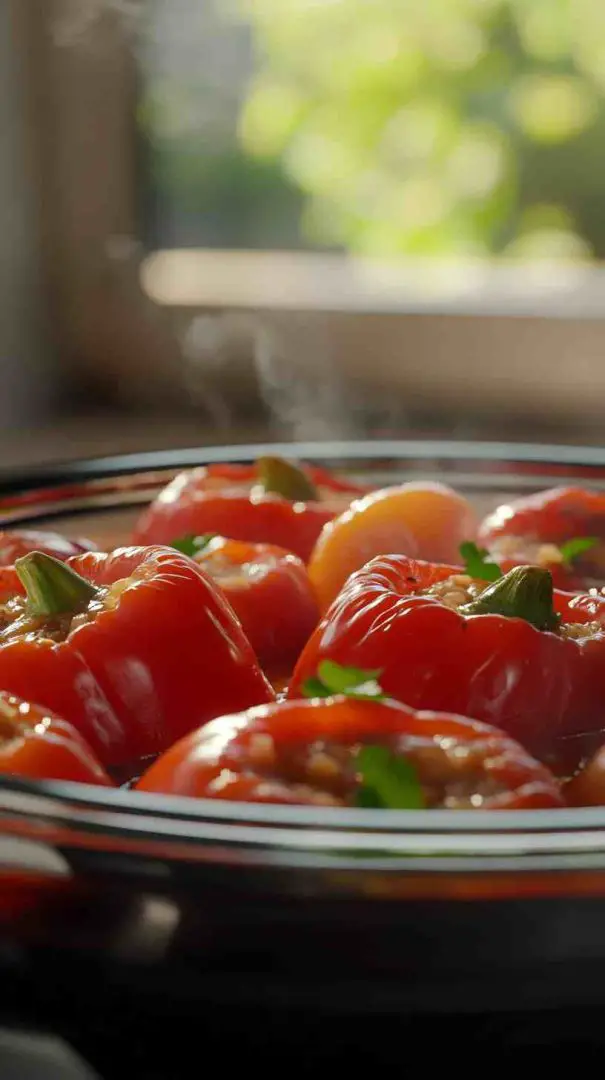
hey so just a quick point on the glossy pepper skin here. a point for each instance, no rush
(534, 684)
(303, 752)
(37, 744)
(270, 592)
(423, 520)
(226, 499)
(555, 515)
(17, 542)
(161, 653)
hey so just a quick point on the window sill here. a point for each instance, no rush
(313, 282)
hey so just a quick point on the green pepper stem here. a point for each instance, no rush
(51, 587)
(281, 477)
(526, 592)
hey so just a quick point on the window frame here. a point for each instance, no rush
(108, 335)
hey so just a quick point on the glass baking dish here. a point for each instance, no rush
(341, 907)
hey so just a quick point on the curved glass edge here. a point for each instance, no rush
(130, 480)
(439, 840)
(431, 451)
(549, 838)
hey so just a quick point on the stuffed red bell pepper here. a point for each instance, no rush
(553, 517)
(269, 590)
(273, 502)
(340, 751)
(134, 648)
(511, 653)
(37, 744)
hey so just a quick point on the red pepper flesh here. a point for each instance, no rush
(37, 744)
(538, 686)
(159, 653)
(304, 752)
(270, 592)
(553, 516)
(227, 500)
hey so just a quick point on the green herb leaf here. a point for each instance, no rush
(340, 678)
(333, 678)
(367, 798)
(315, 688)
(577, 546)
(192, 545)
(477, 564)
(388, 781)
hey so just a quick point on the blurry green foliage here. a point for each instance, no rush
(462, 127)
(202, 188)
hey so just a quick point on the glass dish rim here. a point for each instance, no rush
(533, 838)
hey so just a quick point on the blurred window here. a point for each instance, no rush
(292, 134)
(382, 127)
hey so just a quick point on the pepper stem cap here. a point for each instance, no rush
(51, 587)
(526, 592)
(281, 477)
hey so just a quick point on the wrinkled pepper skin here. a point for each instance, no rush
(270, 592)
(536, 685)
(36, 744)
(161, 653)
(226, 500)
(553, 516)
(280, 754)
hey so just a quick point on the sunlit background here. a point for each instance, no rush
(381, 127)
(227, 219)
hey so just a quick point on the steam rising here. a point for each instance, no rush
(299, 384)
(285, 367)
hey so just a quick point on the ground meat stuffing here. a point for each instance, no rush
(460, 589)
(453, 775)
(533, 552)
(580, 631)
(457, 590)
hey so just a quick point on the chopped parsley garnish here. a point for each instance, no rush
(577, 546)
(477, 563)
(333, 678)
(388, 781)
(192, 545)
